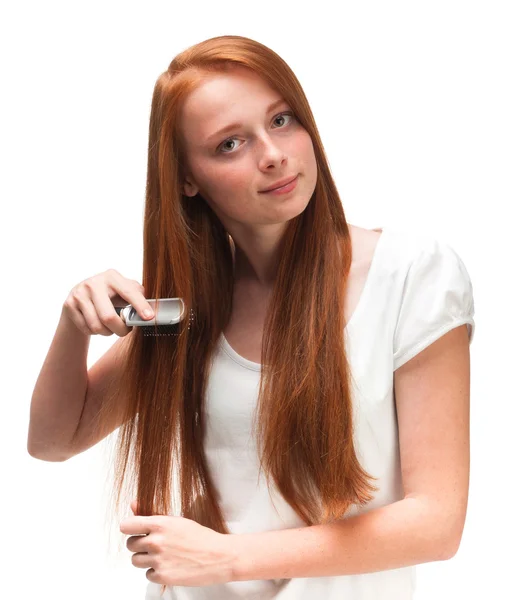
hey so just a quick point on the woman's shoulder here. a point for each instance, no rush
(363, 243)
(402, 246)
(393, 247)
(391, 253)
(416, 245)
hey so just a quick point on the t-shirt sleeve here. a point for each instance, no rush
(437, 296)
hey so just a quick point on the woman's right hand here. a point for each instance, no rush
(89, 304)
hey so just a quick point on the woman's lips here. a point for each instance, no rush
(285, 188)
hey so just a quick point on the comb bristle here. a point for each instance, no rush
(161, 330)
(157, 330)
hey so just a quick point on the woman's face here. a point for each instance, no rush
(230, 168)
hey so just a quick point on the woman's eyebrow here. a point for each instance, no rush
(228, 128)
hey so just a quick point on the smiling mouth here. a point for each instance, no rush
(283, 185)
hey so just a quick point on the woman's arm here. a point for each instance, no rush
(432, 398)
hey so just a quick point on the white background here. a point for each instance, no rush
(422, 111)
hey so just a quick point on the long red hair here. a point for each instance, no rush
(304, 422)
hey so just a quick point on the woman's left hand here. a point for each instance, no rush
(178, 551)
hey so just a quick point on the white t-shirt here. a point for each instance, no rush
(416, 290)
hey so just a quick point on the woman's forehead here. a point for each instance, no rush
(225, 100)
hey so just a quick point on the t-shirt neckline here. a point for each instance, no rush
(370, 277)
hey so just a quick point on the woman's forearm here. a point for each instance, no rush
(401, 534)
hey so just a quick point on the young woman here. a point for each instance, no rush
(317, 407)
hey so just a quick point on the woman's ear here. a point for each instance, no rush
(189, 188)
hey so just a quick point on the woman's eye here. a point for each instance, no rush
(229, 140)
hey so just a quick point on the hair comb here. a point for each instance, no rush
(168, 316)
